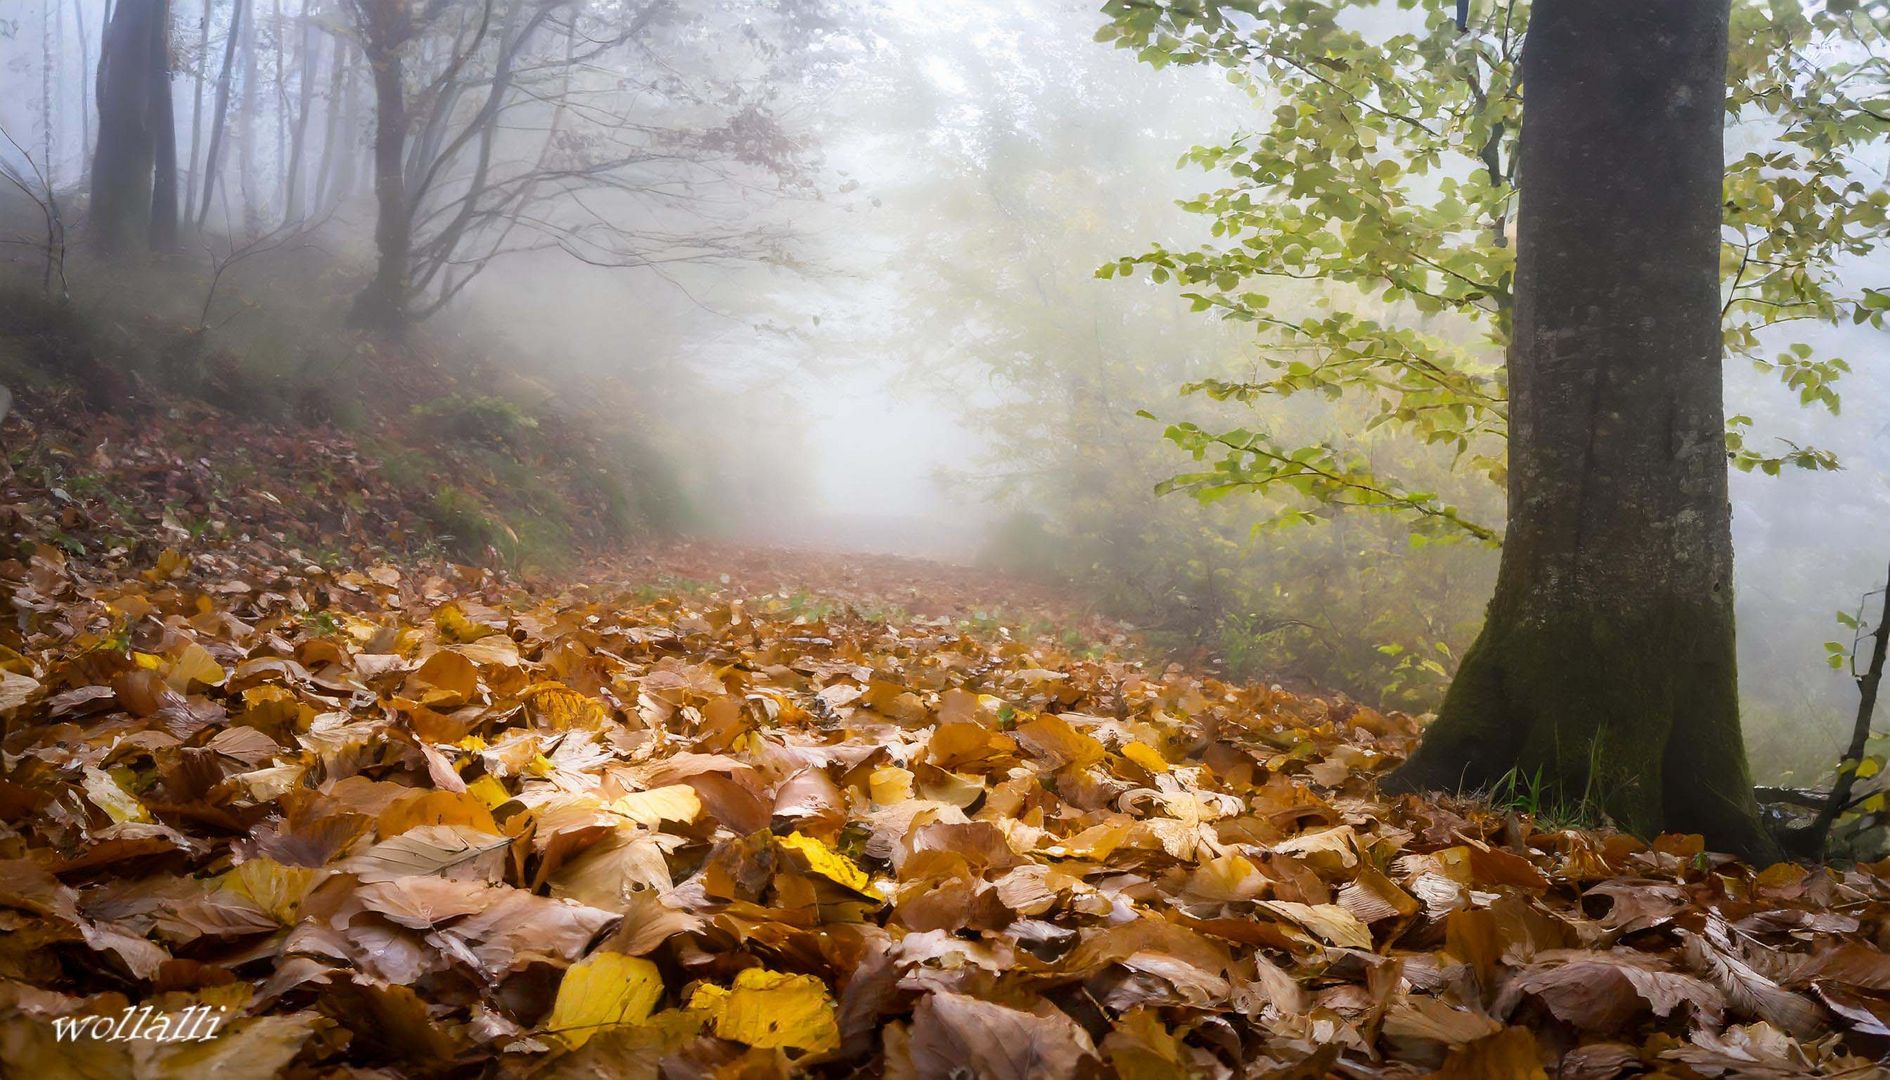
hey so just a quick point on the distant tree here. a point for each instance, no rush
(134, 172)
(220, 111)
(621, 133)
(309, 55)
(195, 173)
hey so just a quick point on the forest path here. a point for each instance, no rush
(920, 587)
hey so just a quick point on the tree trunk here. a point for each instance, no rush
(311, 52)
(333, 155)
(246, 126)
(219, 123)
(163, 235)
(49, 90)
(282, 105)
(1606, 666)
(382, 305)
(85, 96)
(123, 171)
(196, 110)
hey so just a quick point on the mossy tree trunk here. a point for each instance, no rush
(1606, 665)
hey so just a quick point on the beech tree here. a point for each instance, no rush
(1387, 171)
(1606, 664)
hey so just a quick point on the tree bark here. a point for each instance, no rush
(49, 89)
(85, 97)
(1606, 664)
(382, 305)
(311, 52)
(196, 110)
(246, 120)
(133, 63)
(282, 104)
(334, 155)
(163, 234)
(219, 123)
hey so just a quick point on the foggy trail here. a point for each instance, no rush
(920, 587)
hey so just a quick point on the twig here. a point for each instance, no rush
(1810, 840)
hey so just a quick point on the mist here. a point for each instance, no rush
(847, 301)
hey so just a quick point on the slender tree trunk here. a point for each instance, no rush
(1606, 665)
(351, 161)
(246, 125)
(163, 235)
(282, 107)
(85, 96)
(311, 66)
(382, 305)
(219, 123)
(196, 109)
(333, 155)
(48, 64)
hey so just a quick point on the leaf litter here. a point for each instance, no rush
(403, 821)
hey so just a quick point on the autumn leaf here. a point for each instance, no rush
(456, 851)
(953, 1034)
(677, 802)
(603, 989)
(826, 862)
(772, 1009)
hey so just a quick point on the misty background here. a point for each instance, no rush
(912, 353)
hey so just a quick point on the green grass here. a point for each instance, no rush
(1533, 795)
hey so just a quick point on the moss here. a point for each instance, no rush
(1635, 710)
(463, 523)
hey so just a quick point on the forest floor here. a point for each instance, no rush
(706, 810)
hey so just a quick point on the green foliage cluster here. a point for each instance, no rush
(1383, 169)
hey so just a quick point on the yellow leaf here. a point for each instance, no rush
(455, 626)
(1869, 767)
(435, 808)
(451, 680)
(120, 805)
(560, 708)
(488, 790)
(827, 862)
(890, 784)
(170, 563)
(772, 1009)
(275, 888)
(194, 665)
(270, 706)
(1052, 738)
(677, 802)
(602, 989)
(1146, 756)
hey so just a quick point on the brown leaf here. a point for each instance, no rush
(455, 851)
(953, 1034)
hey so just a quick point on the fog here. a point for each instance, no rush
(875, 324)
